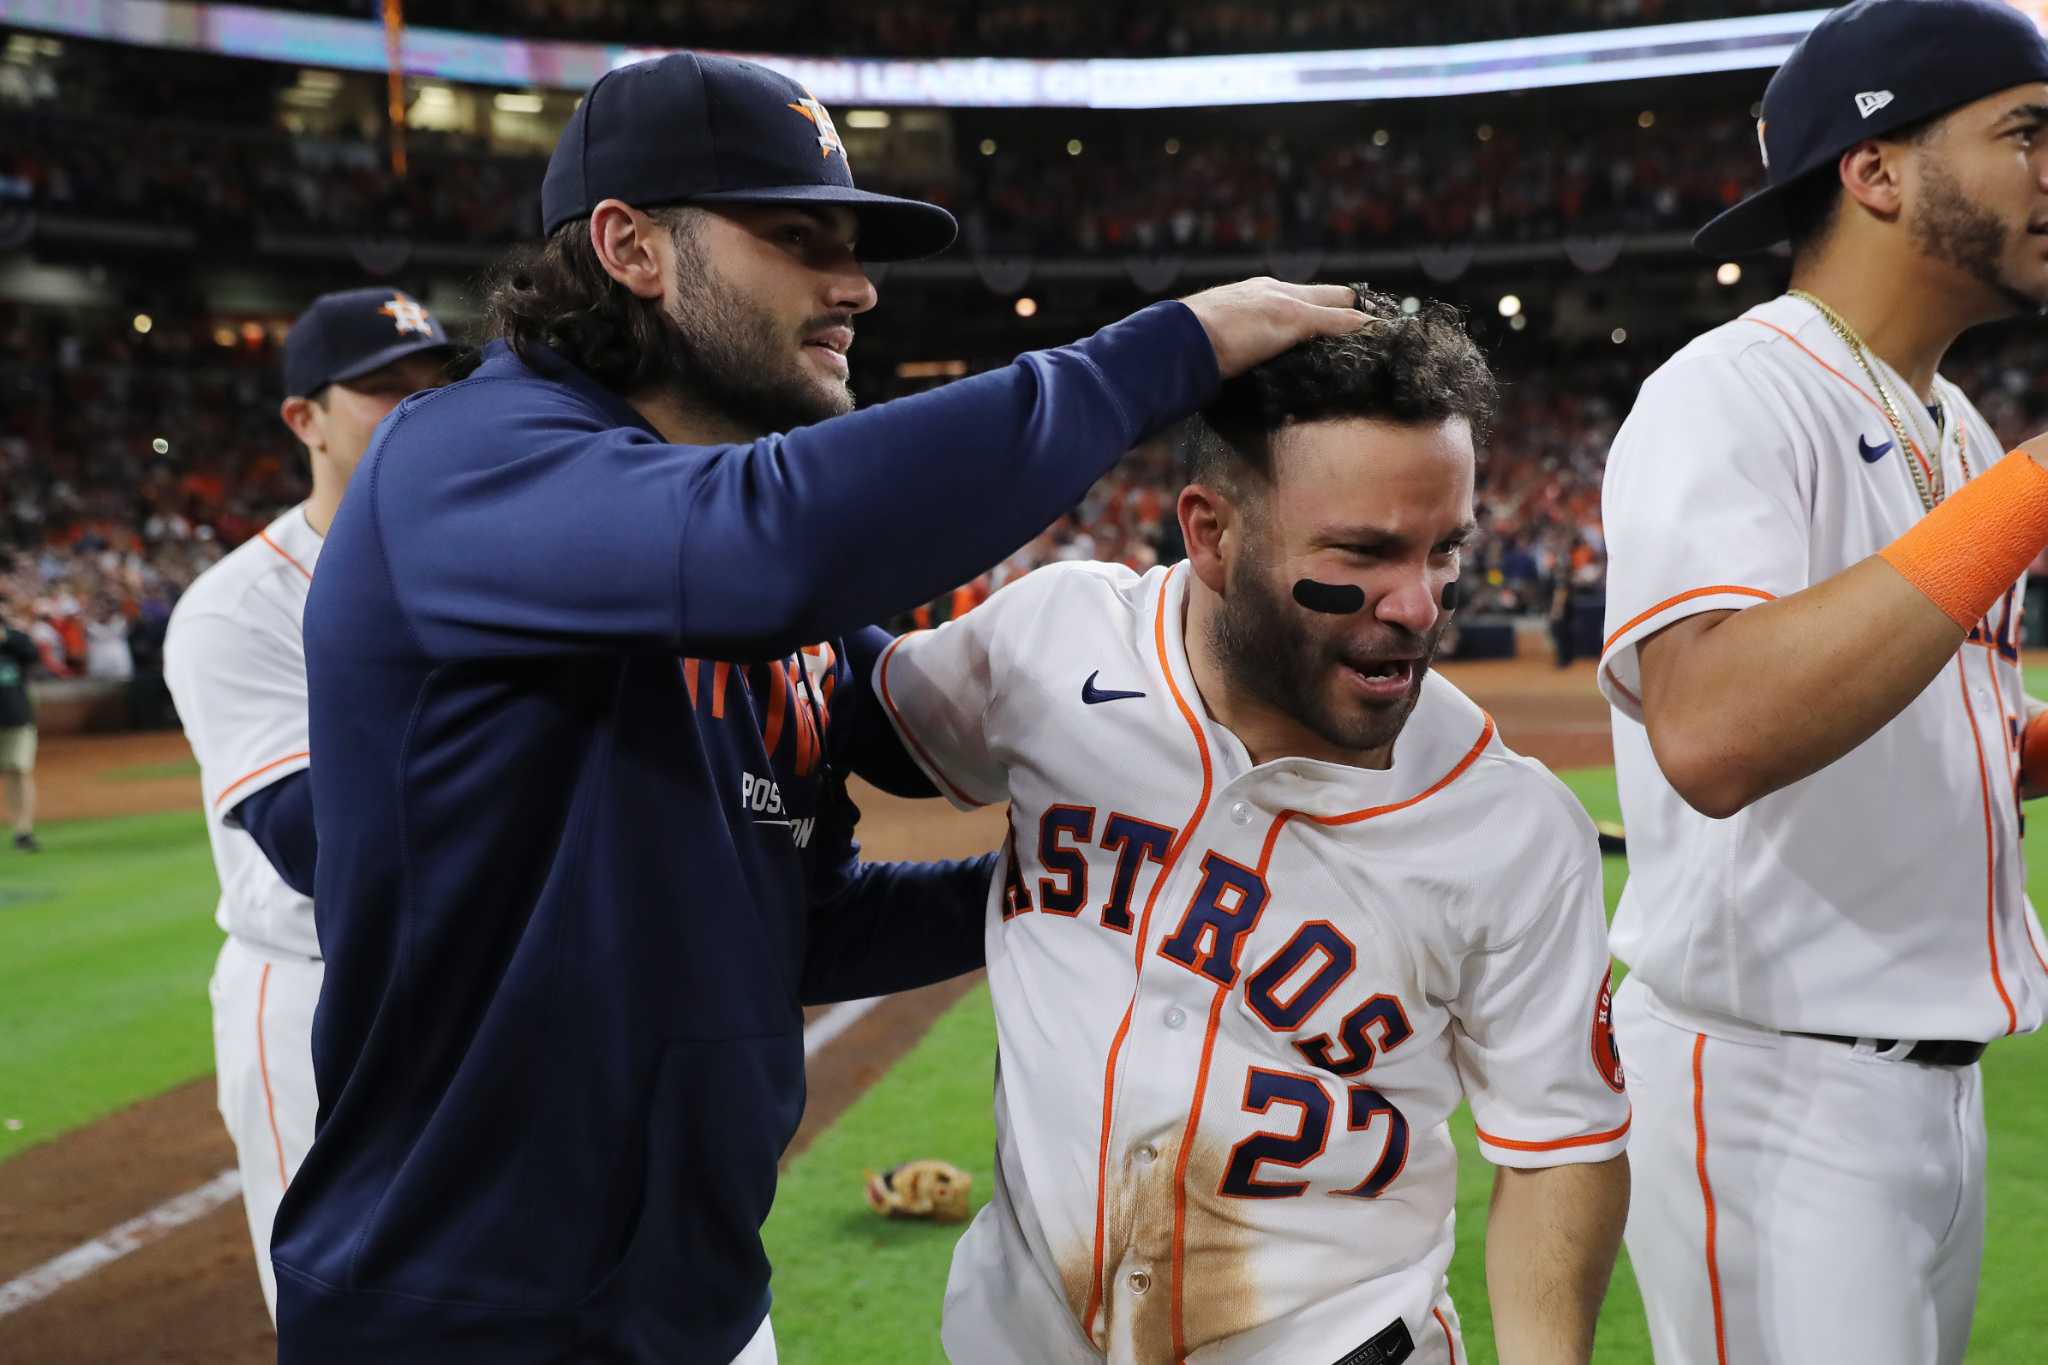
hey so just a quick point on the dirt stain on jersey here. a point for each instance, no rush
(1218, 1295)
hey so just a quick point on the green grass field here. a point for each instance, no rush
(106, 941)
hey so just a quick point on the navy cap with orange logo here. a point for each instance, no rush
(690, 128)
(346, 335)
(1866, 70)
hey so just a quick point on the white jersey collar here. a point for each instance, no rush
(1444, 735)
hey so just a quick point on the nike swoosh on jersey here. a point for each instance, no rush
(1871, 454)
(1092, 695)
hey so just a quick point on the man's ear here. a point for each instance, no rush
(630, 247)
(1873, 174)
(1210, 526)
(302, 415)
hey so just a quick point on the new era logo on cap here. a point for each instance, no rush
(1869, 102)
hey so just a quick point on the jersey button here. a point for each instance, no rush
(1148, 1154)
(1139, 1282)
(1175, 1017)
(1240, 813)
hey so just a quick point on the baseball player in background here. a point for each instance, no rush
(1820, 731)
(235, 660)
(1277, 899)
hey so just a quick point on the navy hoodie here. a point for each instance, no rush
(576, 879)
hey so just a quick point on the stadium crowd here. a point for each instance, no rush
(130, 461)
(1034, 28)
(1202, 193)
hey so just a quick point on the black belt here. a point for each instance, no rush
(1934, 1052)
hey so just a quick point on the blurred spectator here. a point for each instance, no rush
(1214, 194)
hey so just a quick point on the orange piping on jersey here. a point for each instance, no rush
(263, 1069)
(1699, 1128)
(1758, 593)
(1180, 1165)
(2037, 950)
(923, 755)
(1914, 446)
(1561, 1144)
(1450, 1342)
(1180, 1189)
(1356, 816)
(264, 536)
(720, 672)
(1123, 1029)
(255, 773)
(690, 680)
(2012, 1018)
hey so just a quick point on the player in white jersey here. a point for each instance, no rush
(1251, 950)
(1816, 552)
(235, 661)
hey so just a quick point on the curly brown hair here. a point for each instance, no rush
(556, 294)
(1414, 368)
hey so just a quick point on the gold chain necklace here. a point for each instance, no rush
(1907, 445)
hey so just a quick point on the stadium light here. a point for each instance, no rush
(1073, 146)
(1173, 146)
(1510, 305)
(512, 102)
(1027, 307)
(867, 118)
(1618, 335)
(1411, 305)
(1729, 274)
(988, 146)
(252, 333)
(160, 446)
(1647, 119)
(1518, 322)
(1486, 132)
(224, 336)
(143, 322)
(1381, 137)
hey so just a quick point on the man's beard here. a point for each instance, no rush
(728, 355)
(1948, 227)
(1260, 640)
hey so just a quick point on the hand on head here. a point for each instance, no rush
(1252, 321)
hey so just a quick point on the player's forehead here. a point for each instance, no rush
(1358, 471)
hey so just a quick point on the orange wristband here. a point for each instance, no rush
(1972, 548)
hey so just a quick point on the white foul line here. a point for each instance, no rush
(81, 1261)
(33, 1286)
(837, 1021)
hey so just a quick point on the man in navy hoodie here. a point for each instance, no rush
(585, 850)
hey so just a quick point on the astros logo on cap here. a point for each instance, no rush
(409, 315)
(828, 136)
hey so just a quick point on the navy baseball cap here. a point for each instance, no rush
(690, 128)
(1868, 69)
(345, 335)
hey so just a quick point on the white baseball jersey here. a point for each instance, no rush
(235, 659)
(1884, 896)
(1236, 1004)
